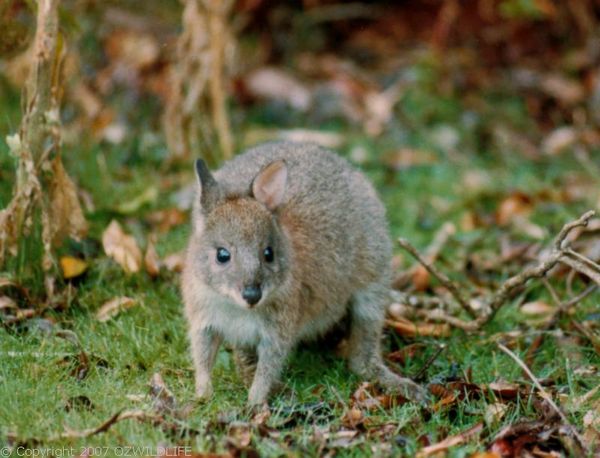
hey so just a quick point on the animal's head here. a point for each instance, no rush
(239, 248)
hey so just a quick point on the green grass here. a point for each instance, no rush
(37, 387)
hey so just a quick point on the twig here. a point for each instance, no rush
(119, 416)
(556, 255)
(442, 278)
(567, 228)
(419, 375)
(431, 253)
(559, 253)
(544, 393)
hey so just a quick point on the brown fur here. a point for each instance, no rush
(327, 229)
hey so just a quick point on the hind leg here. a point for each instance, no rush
(367, 310)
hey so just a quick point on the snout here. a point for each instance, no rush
(252, 294)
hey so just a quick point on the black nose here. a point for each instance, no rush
(252, 294)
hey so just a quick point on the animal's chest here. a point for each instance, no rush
(237, 326)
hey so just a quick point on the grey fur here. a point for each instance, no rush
(332, 256)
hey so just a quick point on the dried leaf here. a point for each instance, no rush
(276, 84)
(72, 267)
(113, 307)
(504, 390)
(151, 260)
(164, 400)
(517, 204)
(175, 261)
(407, 328)
(537, 308)
(166, 219)
(66, 215)
(559, 140)
(420, 278)
(409, 157)
(122, 248)
(7, 303)
(368, 397)
(494, 413)
(352, 418)
(134, 49)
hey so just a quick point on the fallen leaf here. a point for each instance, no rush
(113, 307)
(504, 390)
(72, 267)
(276, 84)
(420, 278)
(368, 397)
(567, 90)
(537, 308)
(353, 417)
(175, 261)
(559, 140)
(326, 139)
(166, 219)
(399, 311)
(494, 413)
(517, 204)
(163, 399)
(408, 157)
(151, 260)
(134, 49)
(407, 328)
(406, 352)
(66, 215)
(122, 247)
(7, 303)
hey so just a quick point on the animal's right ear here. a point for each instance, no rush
(209, 188)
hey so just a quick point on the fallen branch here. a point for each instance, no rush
(430, 254)
(442, 278)
(559, 253)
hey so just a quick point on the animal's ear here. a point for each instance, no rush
(268, 186)
(209, 188)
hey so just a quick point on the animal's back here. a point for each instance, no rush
(332, 214)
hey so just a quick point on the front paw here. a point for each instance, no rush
(258, 396)
(204, 389)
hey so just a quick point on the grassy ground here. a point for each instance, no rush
(40, 398)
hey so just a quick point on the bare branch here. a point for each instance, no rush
(442, 278)
(567, 228)
(559, 253)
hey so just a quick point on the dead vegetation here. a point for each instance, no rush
(196, 109)
(42, 187)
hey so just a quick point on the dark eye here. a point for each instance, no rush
(223, 256)
(268, 254)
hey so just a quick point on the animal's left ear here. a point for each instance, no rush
(268, 186)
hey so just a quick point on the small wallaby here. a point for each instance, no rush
(288, 238)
